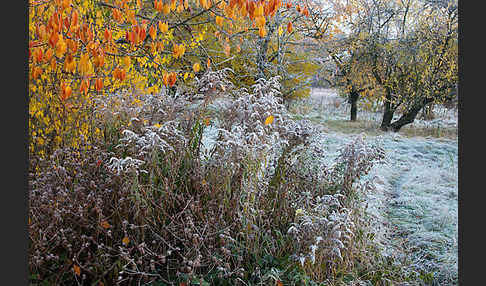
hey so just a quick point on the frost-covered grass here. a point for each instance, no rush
(423, 205)
(415, 198)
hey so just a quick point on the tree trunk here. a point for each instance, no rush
(387, 118)
(387, 113)
(353, 99)
(410, 115)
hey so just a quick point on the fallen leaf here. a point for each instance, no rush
(105, 224)
(269, 120)
(76, 269)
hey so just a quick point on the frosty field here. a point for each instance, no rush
(415, 196)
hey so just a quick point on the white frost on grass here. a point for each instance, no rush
(423, 176)
(414, 204)
(415, 196)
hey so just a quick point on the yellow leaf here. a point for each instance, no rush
(196, 67)
(269, 120)
(126, 240)
(166, 9)
(219, 20)
(126, 62)
(164, 27)
(84, 64)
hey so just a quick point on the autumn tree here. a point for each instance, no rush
(79, 50)
(358, 22)
(272, 45)
(418, 65)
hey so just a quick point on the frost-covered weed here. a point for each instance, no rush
(153, 207)
(328, 209)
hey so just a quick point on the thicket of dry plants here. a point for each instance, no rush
(144, 206)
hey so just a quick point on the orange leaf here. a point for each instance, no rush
(53, 64)
(53, 39)
(99, 84)
(107, 35)
(36, 72)
(262, 32)
(84, 86)
(69, 64)
(76, 269)
(105, 224)
(38, 54)
(165, 78)
(260, 21)
(153, 32)
(158, 5)
(125, 240)
(65, 92)
(172, 78)
(160, 46)
(126, 62)
(178, 50)
(305, 12)
(74, 19)
(289, 27)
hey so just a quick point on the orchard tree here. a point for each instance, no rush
(419, 66)
(356, 25)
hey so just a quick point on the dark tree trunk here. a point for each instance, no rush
(387, 118)
(387, 113)
(353, 99)
(410, 115)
